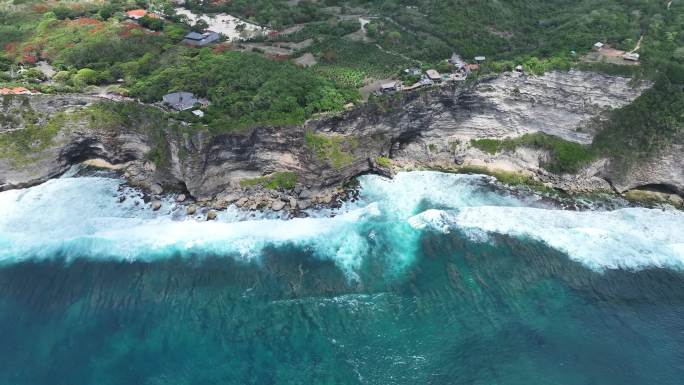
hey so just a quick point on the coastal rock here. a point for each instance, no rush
(277, 205)
(211, 215)
(155, 205)
(430, 128)
(156, 189)
(180, 198)
(191, 210)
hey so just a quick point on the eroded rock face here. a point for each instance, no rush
(426, 128)
(76, 141)
(558, 103)
(665, 169)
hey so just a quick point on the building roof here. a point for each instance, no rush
(598, 44)
(479, 58)
(198, 113)
(194, 36)
(433, 74)
(389, 86)
(631, 56)
(14, 91)
(136, 13)
(181, 100)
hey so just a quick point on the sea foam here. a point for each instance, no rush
(629, 238)
(83, 218)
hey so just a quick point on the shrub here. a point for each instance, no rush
(85, 76)
(279, 180)
(566, 156)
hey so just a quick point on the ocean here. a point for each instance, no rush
(429, 278)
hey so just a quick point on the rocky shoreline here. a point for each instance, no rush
(294, 168)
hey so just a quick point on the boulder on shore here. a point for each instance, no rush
(191, 210)
(181, 198)
(156, 189)
(155, 205)
(277, 205)
(211, 215)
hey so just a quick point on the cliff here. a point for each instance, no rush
(422, 129)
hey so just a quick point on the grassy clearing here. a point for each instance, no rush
(383, 161)
(336, 150)
(285, 180)
(566, 156)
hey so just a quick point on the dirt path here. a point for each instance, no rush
(638, 44)
(401, 55)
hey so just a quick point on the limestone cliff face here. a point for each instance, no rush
(427, 128)
(665, 170)
(41, 156)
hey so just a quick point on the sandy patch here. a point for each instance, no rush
(306, 60)
(225, 24)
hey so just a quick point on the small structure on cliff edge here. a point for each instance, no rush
(631, 56)
(389, 87)
(433, 75)
(180, 101)
(457, 61)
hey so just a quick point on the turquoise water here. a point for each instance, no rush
(429, 279)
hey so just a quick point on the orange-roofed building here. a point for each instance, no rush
(15, 91)
(136, 14)
(20, 91)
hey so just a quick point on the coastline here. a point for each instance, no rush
(293, 168)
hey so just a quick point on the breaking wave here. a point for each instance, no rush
(83, 217)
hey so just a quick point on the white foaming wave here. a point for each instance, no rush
(81, 217)
(629, 238)
(403, 194)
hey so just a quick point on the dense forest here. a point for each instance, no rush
(93, 44)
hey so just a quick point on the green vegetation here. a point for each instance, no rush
(566, 156)
(23, 145)
(336, 150)
(652, 123)
(92, 43)
(274, 13)
(147, 120)
(507, 177)
(383, 161)
(330, 27)
(366, 58)
(283, 180)
(245, 89)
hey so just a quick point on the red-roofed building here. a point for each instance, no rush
(136, 14)
(15, 91)
(20, 91)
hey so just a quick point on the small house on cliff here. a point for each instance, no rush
(180, 101)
